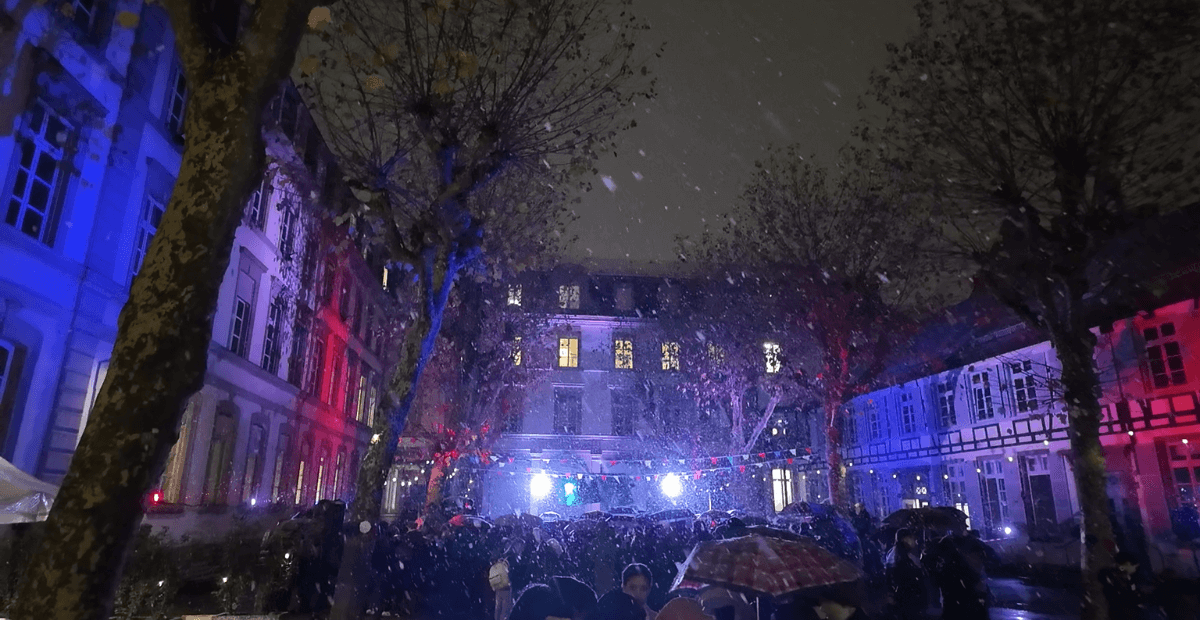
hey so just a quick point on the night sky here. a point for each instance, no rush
(736, 77)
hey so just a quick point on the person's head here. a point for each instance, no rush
(636, 581)
(906, 537)
(838, 601)
(858, 507)
(617, 605)
(540, 602)
(1127, 562)
(576, 594)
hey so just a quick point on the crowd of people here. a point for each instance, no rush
(622, 568)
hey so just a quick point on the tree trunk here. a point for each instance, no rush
(437, 475)
(354, 575)
(737, 415)
(1080, 391)
(772, 403)
(163, 332)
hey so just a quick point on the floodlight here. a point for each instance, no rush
(671, 485)
(539, 486)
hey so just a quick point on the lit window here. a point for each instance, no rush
(177, 102)
(287, 231)
(715, 353)
(568, 297)
(981, 391)
(945, 397)
(670, 356)
(361, 404)
(908, 413)
(172, 477)
(385, 278)
(152, 212)
(516, 351)
(372, 404)
(39, 178)
(514, 294)
(301, 494)
(873, 422)
(771, 355)
(1165, 356)
(623, 353)
(256, 449)
(994, 494)
(781, 486)
(1024, 387)
(281, 446)
(568, 352)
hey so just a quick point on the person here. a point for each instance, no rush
(539, 602)
(962, 581)
(498, 579)
(617, 605)
(683, 609)
(1125, 597)
(906, 578)
(832, 604)
(636, 581)
(576, 594)
(861, 520)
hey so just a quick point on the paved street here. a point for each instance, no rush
(1016, 600)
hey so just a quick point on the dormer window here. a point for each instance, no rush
(514, 294)
(772, 357)
(568, 297)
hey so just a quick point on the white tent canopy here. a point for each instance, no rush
(23, 498)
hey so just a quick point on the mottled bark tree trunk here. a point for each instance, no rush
(433, 492)
(1075, 349)
(163, 332)
(354, 575)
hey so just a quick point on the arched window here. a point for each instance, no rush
(324, 476)
(220, 455)
(339, 473)
(301, 466)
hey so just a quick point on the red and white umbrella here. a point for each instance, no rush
(764, 565)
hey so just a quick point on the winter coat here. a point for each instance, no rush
(907, 583)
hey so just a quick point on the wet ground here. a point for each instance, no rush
(1016, 599)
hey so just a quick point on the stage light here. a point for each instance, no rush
(539, 486)
(671, 486)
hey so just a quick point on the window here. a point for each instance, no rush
(981, 391)
(327, 280)
(956, 488)
(516, 351)
(351, 389)
(1023, 386)
(317, 369)
(670, 356)
(908, 413)
(1184, 483)
(289, 114)
(994, 495)
(1165, 356)
(624, 297)
(220, 457)
(771, 355)
(322, 479)
(344, 300)
(945, 399)
(173, 477)
(514, 294)
(40, 177)
(256, 208)
(716, 354)
(301, 493)
(239, 338)
(849, 428)
(152, 212)
(623, 354)
(281, 448)
(338, 466)
(271, 338)
(568, 297)
(359, 308)
(256, 451)
(781, 487)
(874, 424)
(335, 373)
(287, 231)
(176, 102)
(622, 412)
(372, 402)
(568, 352)
(296, 357)
(360, 400)
(568, 410)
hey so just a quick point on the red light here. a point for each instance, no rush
(155, 497)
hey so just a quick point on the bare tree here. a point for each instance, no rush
(160, 355)
(834, 243)
(431, 106)
(1046, 130)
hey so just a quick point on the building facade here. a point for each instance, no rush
(296, 361)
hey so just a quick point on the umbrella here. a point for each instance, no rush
(673, 514)
(773, 532)
(509, 520)
(713, 516)
(596, 514)
(937, 518)
(764, 565)
(530, 520)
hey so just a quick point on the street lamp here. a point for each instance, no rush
(671, 486)
(539, 486)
